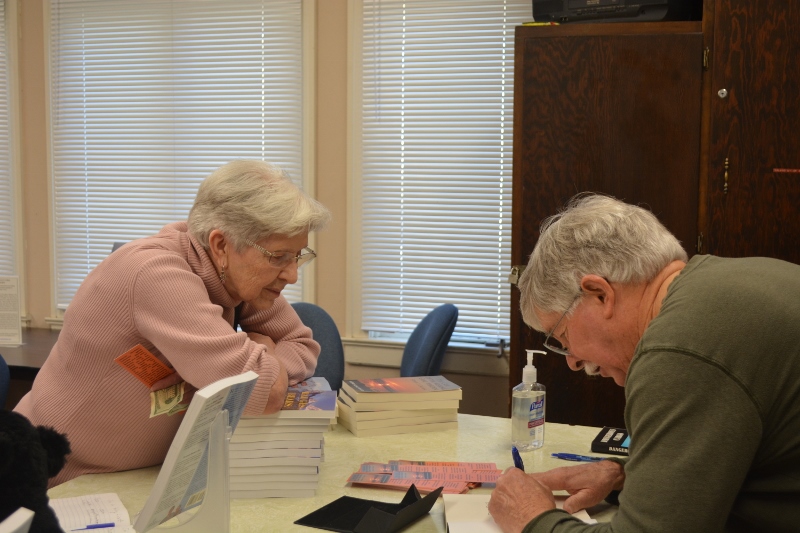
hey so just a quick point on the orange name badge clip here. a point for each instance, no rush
(143, 365)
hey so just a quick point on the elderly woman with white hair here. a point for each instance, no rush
(179, 294)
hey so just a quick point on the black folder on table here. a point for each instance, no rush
(356, 515)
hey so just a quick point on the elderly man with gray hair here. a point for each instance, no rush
(708, 350)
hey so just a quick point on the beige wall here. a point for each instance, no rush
(331, 186)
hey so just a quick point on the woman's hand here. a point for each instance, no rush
(172, 379)
(277, 394)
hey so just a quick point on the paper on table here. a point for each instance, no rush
(81, 511)
(469, 513)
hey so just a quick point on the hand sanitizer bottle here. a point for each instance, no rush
(527, 409)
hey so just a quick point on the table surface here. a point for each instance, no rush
(477, 439)
(36, 346)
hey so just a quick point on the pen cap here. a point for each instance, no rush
(529, 372)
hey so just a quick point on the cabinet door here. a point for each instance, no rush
(610, 108)
(754, 153)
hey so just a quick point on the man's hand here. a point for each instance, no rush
(588, 484)
(517, 499)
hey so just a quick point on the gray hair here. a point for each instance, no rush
(250, 200)
(594, 234)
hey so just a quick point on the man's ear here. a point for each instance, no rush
(599, 288)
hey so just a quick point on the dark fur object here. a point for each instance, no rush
(29, 456)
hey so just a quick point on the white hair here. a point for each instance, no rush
(594, 234)
(251, 200)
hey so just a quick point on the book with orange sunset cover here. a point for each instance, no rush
(406, 389)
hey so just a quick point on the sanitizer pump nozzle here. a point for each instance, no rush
(528, 409)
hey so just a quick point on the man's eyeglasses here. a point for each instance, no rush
(283, 259)
(553, 344)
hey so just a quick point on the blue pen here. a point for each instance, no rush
(576, 457)
(517, 459)
(95, 526)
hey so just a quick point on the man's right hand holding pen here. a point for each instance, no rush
(519, 498)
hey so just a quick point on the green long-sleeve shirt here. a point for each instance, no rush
(713, 407)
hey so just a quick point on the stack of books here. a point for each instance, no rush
(390, 406)
(279, 455)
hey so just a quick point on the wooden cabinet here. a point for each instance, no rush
(752, 177)
(634, 110)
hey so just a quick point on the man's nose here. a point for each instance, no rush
(574, 363)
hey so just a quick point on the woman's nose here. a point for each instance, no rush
(289, 273)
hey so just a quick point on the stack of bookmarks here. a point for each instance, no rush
(427, 476)
(279, 455)
(390, 406)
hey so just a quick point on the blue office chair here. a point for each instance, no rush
(5, 379)
(331, 359)
(425, 348)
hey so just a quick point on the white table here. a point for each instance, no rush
(477, 439)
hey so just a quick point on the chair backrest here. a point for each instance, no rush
(116, 245)
(425, 348)
(5, 379)
(331, 359)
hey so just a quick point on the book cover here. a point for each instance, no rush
(398, 403)
(238, 484)
(272, 493)
(181, 482)
(405, 389)
(281, 424)
(273, 444)
(275, 479)
(613, 441)
(395, 413)
(274, 470)
(309, 399)
(273, 461)
(275, 452)
(397, 430)
(255, 437)
(346, 413)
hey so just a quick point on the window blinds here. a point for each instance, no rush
(149, 97)
(437, 90)
(8, 248)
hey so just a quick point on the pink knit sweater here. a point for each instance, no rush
(162, 292)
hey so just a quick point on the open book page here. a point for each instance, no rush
(93, 511)
(181, 483)
(469, 513)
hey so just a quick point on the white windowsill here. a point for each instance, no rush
(459, 358)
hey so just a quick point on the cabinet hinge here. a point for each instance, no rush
(706, 53)
(699, 243)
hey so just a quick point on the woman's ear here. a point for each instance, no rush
(599, 288)
(218, 246)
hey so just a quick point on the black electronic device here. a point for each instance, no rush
(564, 11)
